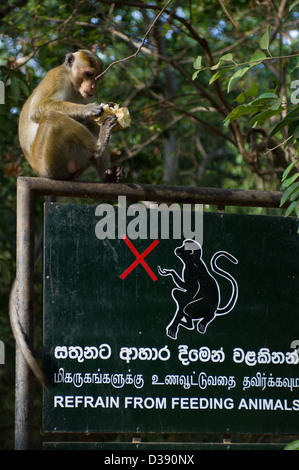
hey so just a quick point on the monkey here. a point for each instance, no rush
(56, 129)
(197, 295)
(60, 140)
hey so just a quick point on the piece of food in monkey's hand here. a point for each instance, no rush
(122, 114)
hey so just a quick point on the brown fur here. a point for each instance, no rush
(56, 130)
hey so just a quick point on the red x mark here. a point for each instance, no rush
(139, 259)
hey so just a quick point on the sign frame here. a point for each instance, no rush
(28, 190)
(116, 350)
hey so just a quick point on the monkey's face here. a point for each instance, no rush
(190, 249)
(84, 67)
(86, 83)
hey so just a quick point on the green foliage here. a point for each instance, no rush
(263, 109)
(290, 186)
(296, 2)
(292, 446)
(265, 40)
(4, 269)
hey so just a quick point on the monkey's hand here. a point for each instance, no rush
(113, 109)
(175, 277)
(110, 104)
(93, 110)
(164, 272)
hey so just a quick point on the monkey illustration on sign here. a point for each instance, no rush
(197, 295)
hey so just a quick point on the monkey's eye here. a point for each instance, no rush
(89, 74)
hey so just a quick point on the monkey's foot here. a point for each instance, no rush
(172, 333)
(114, 174)
(201, 328)
(105, 132)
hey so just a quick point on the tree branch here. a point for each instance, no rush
(7, 9)
(141, 45)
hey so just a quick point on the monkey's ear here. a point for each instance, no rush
(69, 59)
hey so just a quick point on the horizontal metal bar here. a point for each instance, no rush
(157, 193)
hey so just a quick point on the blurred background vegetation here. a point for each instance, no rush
(178, 134)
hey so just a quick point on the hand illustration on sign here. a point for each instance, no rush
(197, 295)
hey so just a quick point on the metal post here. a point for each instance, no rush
(25, 279)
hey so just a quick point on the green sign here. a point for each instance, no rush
(170, 334)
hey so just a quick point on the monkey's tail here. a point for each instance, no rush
(234, 296)
(20, 337)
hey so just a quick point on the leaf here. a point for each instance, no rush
(277, 104)
(15, 89)
(293, 65)
(264, 116)
(295, 195)
(265, 39)
(293, 207)
(293, 114)
(226, 57)
(198, 66)
(293, 5)
(235, 114)
(292, 446)
(216, 75)
(197, 63)
(268, 96)
(240, 98)
(24, 88)
(256, 58)
(262, 103)
(253, 90)
(215, 67)
(294, 128)
(288, 169)
(194, 76)
(278, 128)
(288, 192)
(236, 77)
(290, 180)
